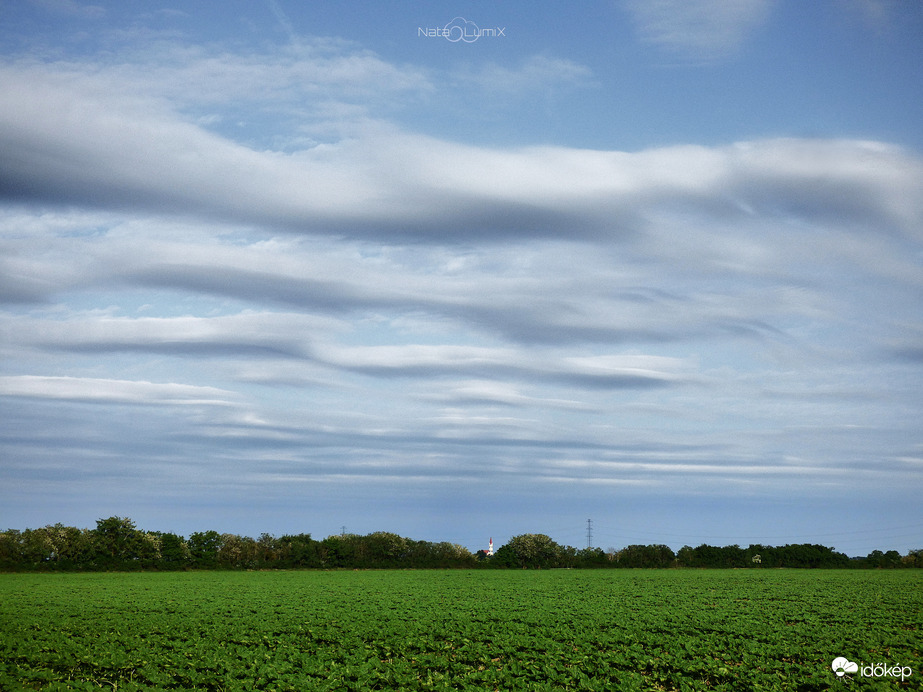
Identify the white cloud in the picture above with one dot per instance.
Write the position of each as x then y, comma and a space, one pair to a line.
537, 73
267, 334
493, 392
703, 30
605, 372
380, 304
67, 147
101, 390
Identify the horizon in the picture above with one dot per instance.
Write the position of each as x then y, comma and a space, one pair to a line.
474, 550
270, 265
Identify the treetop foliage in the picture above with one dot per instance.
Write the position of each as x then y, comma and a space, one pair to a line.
117, 544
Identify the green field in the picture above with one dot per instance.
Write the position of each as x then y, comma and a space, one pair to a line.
468, 630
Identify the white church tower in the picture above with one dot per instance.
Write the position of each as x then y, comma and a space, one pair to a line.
490, 547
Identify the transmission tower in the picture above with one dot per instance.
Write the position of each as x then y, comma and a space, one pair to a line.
589, 533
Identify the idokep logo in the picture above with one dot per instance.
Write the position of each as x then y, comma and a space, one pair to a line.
841, 666
460, 29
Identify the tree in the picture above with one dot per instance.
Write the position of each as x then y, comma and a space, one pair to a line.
203, 548
36, 548
769, 556
237, 552
299, 550
445, 554
384, 549
341, 550
149, 550
879, 560
50, 547
71, 547
530, 550
120, 545
174, 551
266, 550
892, 559
646, 556
592, 557
11, 556
810, 555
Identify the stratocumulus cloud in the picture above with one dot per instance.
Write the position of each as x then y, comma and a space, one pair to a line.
111, 391
426, 189
260, 287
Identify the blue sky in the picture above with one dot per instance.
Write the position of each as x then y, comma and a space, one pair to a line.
287, 267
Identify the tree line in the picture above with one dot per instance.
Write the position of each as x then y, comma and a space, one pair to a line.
117, 544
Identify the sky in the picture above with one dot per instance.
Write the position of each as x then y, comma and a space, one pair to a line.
461, 270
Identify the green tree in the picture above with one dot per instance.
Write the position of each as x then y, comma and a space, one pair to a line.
11, 549
237, 552
174, 551
593, 557
810, 555
72, 547
879, 560
685, 557
298, 550
445, 554
769, 556
341, 550
120, 545
149, 551
203, 548
531, 550
384, 549
37, 549
267, 553
645, 556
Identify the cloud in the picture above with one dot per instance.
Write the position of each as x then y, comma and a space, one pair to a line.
703, 30
300, 79
100, 390
293, 336
247, 334
508, 292
67, 147
603, 372
71, 8
494, 393
540, 73
306, 296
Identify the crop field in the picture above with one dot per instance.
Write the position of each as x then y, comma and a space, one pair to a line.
461, 630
